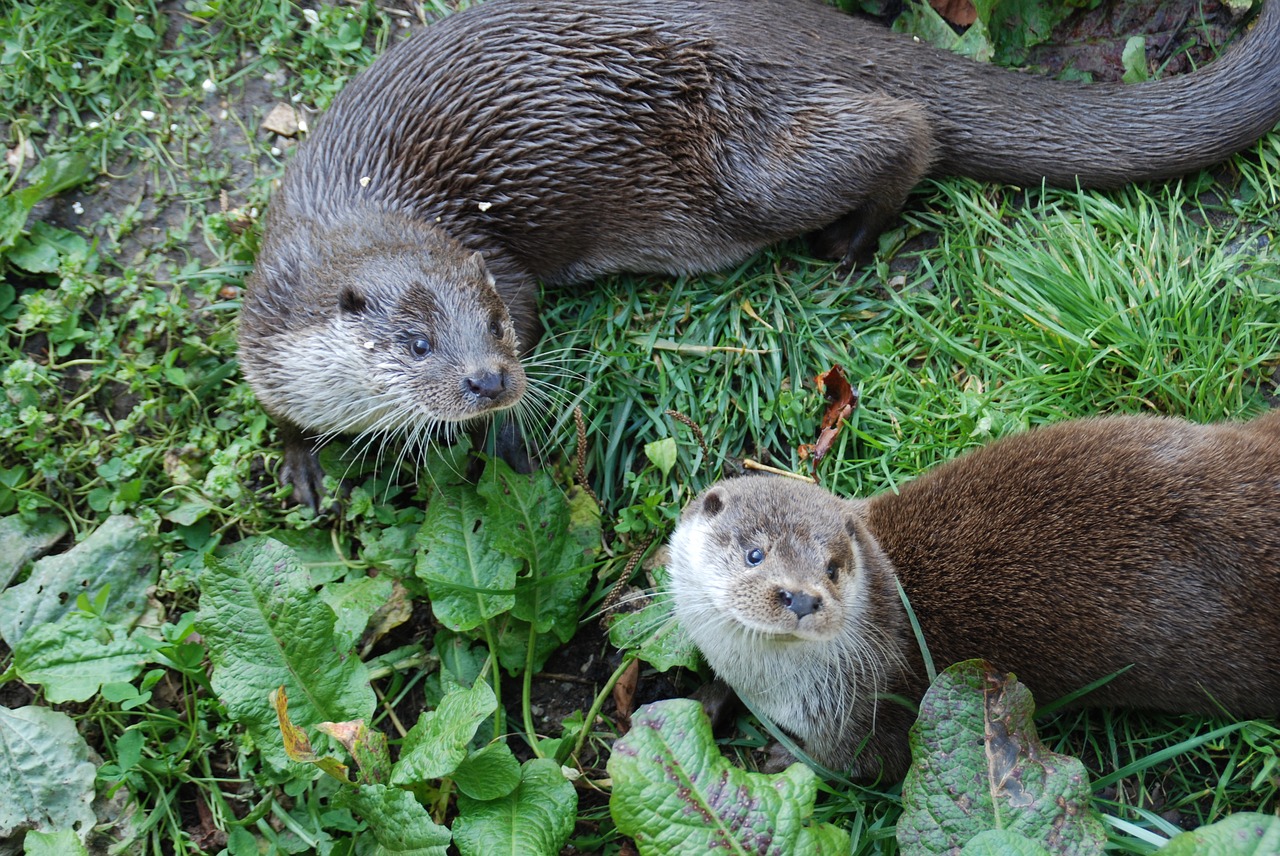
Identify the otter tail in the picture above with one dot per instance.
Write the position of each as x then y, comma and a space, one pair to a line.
1001, 126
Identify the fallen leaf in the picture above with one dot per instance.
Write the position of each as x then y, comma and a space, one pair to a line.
842, 400
959, 12
624, 692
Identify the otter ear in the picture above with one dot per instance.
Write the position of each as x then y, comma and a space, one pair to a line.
855, 516
351, 301
713, 503
477, 263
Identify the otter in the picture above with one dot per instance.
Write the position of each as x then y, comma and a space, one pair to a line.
564, 139
1142, 547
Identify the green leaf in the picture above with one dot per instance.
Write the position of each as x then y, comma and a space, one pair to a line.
71, 658
21, 541
399, 823
535, 819
46, 774
65, 842
468, 579
662, 453
1242, 834
265, 628
491, 773
674, 793
120, 554
354, 603
54, 174
978, 765
531, 518
44, 249
654, 631
1002, 842
1134, 60
437, 744
13, 216
513, 646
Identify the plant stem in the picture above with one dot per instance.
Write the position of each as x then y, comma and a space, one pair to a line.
530, 734
596, 705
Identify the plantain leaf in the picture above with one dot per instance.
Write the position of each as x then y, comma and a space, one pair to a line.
265, 628
978, 765
673, 792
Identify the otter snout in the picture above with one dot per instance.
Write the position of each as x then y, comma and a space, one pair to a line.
487, 387
801, 603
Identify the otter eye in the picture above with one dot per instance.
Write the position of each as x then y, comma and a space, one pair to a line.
419, 347
833, 570
755, 556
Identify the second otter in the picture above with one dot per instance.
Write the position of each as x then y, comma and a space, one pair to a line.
1063, 555
562, 139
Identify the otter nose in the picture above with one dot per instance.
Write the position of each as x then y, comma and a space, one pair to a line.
486, 385
799, 602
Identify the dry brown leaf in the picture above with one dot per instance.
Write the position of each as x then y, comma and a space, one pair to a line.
842, 400
959, 12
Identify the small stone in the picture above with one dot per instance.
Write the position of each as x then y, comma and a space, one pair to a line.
283, 120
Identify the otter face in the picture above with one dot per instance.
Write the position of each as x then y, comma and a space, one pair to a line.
438, 340
410, 340
766, 558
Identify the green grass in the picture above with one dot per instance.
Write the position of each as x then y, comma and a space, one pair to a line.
988, 311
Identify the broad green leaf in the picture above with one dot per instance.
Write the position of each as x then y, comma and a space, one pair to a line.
531, 518
312, 548
391, 548
62, 843
399, 823
922, 20
978, 765
354, 603
491, 773
13, 216
119, 554
43, 250
21, 541
46, 775
468, 578
54, 174
673, 792
1134, 59
1243, 834
437, 744
535, 819
655, 633
265, 628
513, 646
71, 658
662, 453
1002, 842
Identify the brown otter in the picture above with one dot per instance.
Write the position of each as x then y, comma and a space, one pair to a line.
562, 139
1063, 555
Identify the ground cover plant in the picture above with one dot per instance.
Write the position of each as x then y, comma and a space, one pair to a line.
172, 632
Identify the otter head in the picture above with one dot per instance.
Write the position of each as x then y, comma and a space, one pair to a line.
382, 333
438, 343
782, 587
768, 559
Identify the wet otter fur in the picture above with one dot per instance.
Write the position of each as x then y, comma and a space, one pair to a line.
562, 139
1064, 555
